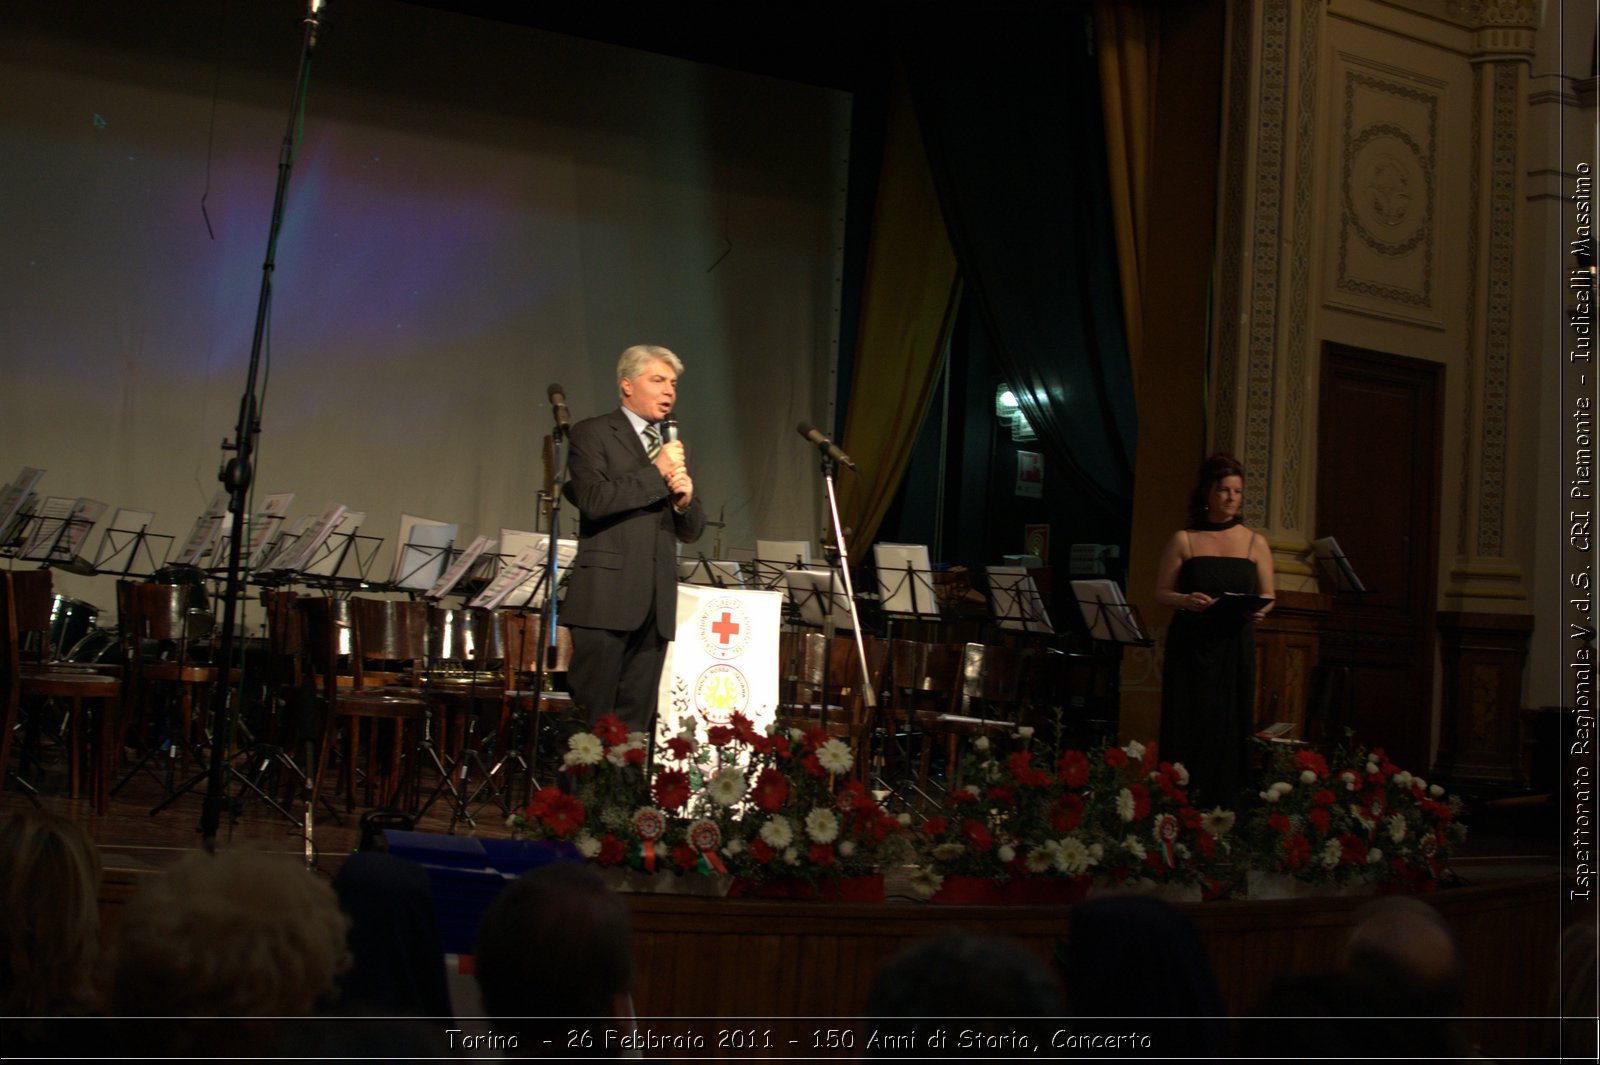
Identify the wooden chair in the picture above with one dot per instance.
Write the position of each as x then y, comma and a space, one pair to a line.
988, 701
158, 624
924, 683
389, 720
824, 676
93, 699
524, 704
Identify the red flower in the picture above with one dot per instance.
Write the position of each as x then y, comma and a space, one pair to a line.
1296, 851
1191, 817
560, 812
744, 728
852, 795
680, 747
611, 730
935, 826
762, 852
1002, 795
1151, 759
815, 738
611, 850
1021, 766
671, 788
1141, 801
1207, 843
719, 735
821, 854
1320, 818
1116, 757
685, 857
771, 790
812, 766
1073, 769
780, 746
977, 834
1066, 813
1313, 761
1352, 849
1324, 797
1279, 823
962, 795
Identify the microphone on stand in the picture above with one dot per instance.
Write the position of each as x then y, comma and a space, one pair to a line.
558, 408
829, 448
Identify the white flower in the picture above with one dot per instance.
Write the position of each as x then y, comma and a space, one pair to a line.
1072, 857
585, 748
618, 755
924, 883
1397, 827
948, 852
1182, 773
1006, 853
1268, 795
847, 848
791, 856
587, 845
1283, 787
1134, 750
822, 826
981, 743
733, 846
972, 790
1183, 852
1219, 822
835, 757
1025, 732
1372, 767
1042, 857
1420, 783
1351, 781
904, 819
1133, 846
727, 787
1374, 856
796, 735
1307, 777
1360, 815
1096, 851
1401, 779
1125, 804
1435, 790
1331, 853
777, 833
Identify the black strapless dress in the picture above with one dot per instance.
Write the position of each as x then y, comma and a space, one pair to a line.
1208, 683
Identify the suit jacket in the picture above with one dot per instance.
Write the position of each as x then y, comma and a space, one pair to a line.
627, 531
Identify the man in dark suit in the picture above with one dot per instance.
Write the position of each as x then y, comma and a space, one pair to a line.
636, 500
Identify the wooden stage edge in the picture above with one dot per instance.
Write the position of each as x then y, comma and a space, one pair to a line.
740, 958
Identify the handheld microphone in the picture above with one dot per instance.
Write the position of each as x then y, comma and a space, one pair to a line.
558, 408
828, 447
669, 430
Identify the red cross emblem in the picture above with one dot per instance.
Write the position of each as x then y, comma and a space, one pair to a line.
726, 628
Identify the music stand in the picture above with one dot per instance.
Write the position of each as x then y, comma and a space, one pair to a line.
1017, 604
458, 569
424, 551
820, 597
60, 528
1108, 615
127, 537
710, 573
905, 580
1336, 568
776, 557
17, 502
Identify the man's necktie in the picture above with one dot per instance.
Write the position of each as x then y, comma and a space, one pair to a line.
652, 442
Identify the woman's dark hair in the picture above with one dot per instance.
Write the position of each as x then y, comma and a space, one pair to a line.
1212, 470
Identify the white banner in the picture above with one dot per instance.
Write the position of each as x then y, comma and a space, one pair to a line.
724, 660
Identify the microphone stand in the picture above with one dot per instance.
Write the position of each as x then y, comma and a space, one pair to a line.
830, 467
236, 474
548, 613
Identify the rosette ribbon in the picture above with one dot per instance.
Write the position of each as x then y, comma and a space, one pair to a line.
1167, 835
706, 837
650, 825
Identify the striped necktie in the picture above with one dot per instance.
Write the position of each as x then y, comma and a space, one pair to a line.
652, 442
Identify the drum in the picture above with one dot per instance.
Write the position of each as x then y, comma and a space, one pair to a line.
166, 611
99, 646
468, 636
70, 621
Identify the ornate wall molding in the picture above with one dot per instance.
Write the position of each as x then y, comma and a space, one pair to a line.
1495, 406
1226, 353
1388, 195
1292, 446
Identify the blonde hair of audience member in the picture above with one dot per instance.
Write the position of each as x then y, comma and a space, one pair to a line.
239, 933
49, 894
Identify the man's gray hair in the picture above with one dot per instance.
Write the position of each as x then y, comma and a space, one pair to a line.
636, 358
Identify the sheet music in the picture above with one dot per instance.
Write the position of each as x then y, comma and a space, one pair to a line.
453, 575
272, 558
265, 525
63, 526
814, 589
521, 569
206, 528
328, 556
905, 579
1016, 600
14, 499
423, 543
1106, 612
315, 536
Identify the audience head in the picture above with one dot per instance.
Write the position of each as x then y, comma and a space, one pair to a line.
1403, 946
556, 942
49, 891
397, 957
965, 978
241, 933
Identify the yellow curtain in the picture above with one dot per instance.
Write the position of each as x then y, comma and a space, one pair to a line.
909, 301
1127, 44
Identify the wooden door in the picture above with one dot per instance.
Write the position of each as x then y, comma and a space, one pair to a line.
1378, 464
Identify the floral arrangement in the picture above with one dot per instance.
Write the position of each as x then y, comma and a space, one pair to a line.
1113, 814
1352, 816
740, 801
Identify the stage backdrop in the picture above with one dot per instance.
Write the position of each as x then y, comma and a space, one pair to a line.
477, 210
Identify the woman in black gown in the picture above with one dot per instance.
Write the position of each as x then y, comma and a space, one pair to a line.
1208, 679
